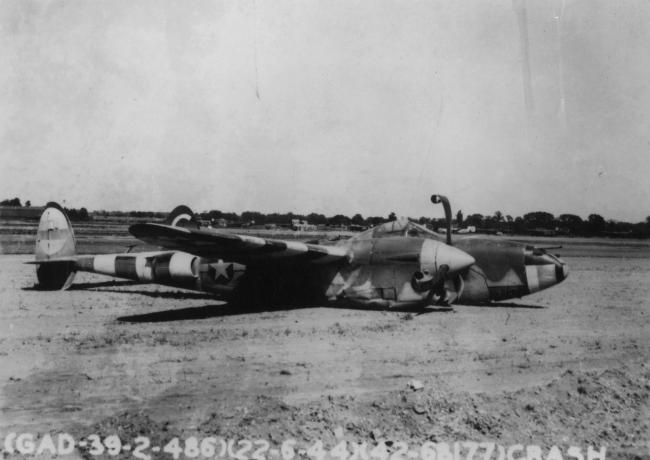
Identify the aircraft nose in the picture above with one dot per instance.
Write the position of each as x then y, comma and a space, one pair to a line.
436, 254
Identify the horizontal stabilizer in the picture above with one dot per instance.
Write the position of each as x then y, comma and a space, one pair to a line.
56, 260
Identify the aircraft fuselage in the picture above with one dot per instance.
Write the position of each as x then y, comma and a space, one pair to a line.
379, 273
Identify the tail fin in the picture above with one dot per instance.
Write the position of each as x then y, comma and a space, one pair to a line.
182, 216
55, 251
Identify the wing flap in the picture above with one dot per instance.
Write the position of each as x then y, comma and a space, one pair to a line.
238, 248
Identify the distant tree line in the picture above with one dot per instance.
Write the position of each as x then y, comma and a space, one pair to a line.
14, 202
538, 222
541, 222
285, 219
73, 213
149, 214
77, 214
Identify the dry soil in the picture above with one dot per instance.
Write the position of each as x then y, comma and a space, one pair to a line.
567, 366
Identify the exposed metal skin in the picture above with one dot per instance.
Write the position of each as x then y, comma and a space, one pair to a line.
389, 271
396, 264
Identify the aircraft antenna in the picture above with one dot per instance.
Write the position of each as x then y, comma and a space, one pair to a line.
445, 203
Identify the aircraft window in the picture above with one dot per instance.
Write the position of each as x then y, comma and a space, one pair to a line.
419, 230
394, 228
400, 227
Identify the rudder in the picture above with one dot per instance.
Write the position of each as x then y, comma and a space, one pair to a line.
56, 249
182, 216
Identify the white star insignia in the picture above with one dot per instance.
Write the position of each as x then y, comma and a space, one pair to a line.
221, 269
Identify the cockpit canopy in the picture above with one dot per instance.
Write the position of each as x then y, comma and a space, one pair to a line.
399, 227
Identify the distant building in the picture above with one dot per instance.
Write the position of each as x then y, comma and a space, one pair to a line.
468, 229
541, 232
357, 228
219, 222
302, 225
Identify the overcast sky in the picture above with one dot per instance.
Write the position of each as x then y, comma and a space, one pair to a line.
329, 106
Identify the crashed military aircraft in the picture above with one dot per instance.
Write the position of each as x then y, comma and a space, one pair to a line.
398, 264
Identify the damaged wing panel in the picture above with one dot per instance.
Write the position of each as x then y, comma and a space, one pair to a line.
241, 248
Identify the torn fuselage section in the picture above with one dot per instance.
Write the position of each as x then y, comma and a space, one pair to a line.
394, 271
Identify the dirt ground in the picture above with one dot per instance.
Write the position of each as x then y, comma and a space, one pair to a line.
567, 366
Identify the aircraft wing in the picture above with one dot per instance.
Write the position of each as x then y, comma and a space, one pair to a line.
233, 247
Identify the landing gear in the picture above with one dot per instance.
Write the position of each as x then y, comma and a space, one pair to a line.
441, 299
442, 291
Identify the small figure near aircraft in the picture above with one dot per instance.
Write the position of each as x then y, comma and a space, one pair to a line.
398, 264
